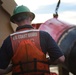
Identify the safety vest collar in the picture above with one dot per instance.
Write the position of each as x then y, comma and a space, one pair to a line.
24, 26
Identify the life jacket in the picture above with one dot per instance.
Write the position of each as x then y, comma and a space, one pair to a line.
28, 58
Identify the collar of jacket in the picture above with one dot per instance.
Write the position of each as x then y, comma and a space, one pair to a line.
24, 26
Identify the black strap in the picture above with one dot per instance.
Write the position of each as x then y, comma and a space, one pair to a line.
56, 10
57, 6
35, 61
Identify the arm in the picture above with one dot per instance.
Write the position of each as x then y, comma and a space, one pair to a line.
6, 54
56, 55
60, 59
7, 70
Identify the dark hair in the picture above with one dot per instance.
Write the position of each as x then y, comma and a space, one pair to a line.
21, 17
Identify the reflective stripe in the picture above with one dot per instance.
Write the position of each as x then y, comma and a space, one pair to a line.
23, 31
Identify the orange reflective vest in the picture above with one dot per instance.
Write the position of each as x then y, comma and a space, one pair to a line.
28, 58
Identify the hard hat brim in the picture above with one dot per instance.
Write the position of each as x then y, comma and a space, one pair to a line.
32, 15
